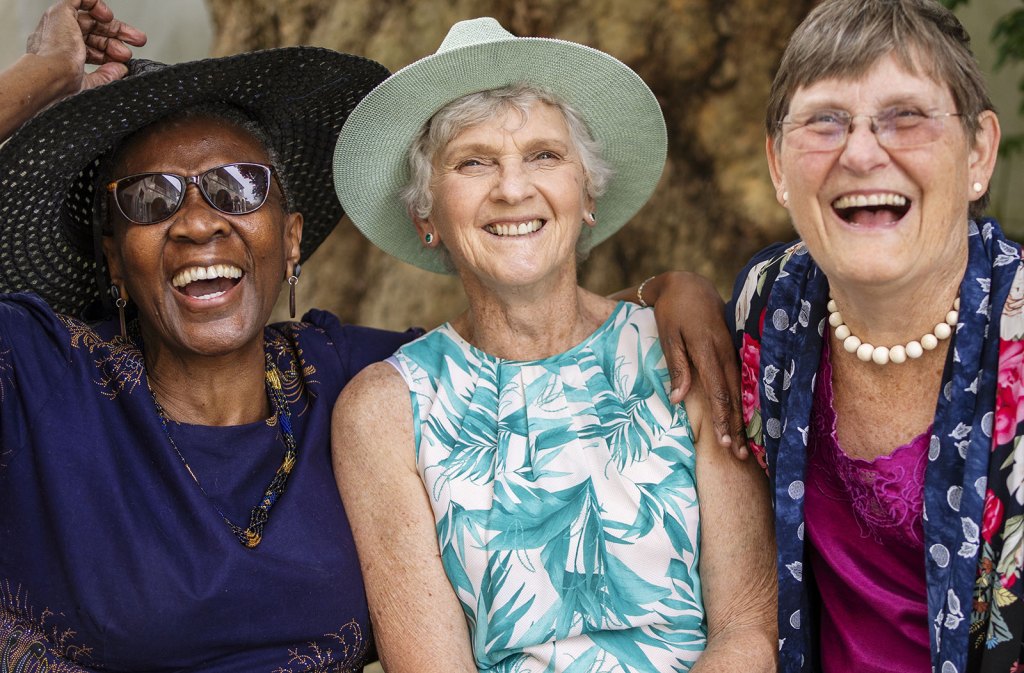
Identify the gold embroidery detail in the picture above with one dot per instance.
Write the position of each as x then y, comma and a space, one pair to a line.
119, 361
318, 658
297, 372
26, 640
122, 366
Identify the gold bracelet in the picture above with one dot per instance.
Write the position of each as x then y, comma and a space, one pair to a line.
640, 292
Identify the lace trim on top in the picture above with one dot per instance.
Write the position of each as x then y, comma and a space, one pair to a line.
886, 493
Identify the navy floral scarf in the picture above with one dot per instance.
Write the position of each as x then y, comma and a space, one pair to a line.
974, 480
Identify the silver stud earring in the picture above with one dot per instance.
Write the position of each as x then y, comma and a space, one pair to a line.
978, 187
428, 238
593, 218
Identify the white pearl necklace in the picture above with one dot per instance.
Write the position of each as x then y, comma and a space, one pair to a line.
896, 354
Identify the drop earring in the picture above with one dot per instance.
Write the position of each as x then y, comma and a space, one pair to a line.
120, 302
293, 280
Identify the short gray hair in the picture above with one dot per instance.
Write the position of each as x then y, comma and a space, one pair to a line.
845, 38
476, 108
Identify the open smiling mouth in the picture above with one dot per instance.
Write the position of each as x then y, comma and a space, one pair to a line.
521, 229
872, 209
206, 282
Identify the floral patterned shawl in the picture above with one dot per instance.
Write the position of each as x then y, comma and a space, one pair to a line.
974, 480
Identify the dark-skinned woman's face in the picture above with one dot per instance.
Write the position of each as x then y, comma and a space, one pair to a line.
204, 281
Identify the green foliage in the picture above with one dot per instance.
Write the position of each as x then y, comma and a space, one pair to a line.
1010, 145
1008, 39
1008, 36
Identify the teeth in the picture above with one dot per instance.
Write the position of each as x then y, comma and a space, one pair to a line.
192, 274
862, 201
212, 295
520, 229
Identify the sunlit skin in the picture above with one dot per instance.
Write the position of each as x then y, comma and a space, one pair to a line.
919, 246
509, 171
524, 304
894, 271
183, 333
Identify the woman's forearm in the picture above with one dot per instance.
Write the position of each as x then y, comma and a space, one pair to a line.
70, 34
29, 85
751, 649
691, 324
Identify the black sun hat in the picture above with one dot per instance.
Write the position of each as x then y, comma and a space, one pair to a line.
301, 96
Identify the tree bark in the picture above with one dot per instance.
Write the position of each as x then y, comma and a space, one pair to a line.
709, 62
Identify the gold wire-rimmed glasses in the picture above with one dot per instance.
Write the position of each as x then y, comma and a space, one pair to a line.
895, 128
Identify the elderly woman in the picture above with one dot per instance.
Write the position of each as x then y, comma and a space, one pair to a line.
882, 352
523, 495
166, 495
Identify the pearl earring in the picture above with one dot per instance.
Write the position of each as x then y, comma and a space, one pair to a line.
785, 198
978, 187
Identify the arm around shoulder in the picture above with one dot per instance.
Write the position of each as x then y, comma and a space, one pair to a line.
418, 622
737, 558
692, 330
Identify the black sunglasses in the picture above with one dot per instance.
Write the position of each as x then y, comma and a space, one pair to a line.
234, 189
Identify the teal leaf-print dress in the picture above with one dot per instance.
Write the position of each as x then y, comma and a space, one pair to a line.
564, 496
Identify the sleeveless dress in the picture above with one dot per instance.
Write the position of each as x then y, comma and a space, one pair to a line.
113, 559
564, 495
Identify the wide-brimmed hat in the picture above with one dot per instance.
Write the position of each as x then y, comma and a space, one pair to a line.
301, 96
370, 162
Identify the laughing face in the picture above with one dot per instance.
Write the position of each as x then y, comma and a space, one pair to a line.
204, 281
876, 216
509, 199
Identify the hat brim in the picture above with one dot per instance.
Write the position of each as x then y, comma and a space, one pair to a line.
301, 96
371, 164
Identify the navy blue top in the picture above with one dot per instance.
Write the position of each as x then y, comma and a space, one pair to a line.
112, 558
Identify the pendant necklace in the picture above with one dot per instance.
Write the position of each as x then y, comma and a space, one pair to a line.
251, 535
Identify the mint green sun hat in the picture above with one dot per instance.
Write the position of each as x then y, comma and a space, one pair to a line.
371, 157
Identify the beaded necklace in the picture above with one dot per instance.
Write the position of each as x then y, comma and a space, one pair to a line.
252, 535
899, 353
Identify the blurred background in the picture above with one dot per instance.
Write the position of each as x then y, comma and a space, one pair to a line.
710, 64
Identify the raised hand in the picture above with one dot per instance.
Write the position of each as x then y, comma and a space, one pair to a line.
73, 33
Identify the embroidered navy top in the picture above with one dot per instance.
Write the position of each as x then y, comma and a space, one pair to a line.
111, 556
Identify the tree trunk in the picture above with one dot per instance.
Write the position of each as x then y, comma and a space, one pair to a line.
710, 63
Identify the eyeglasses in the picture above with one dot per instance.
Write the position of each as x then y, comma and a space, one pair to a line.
234, 189
897, 128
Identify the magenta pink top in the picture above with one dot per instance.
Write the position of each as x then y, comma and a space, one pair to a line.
866, 548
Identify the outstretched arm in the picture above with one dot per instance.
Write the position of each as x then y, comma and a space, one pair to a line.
691, 322
71, 34
418, 623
